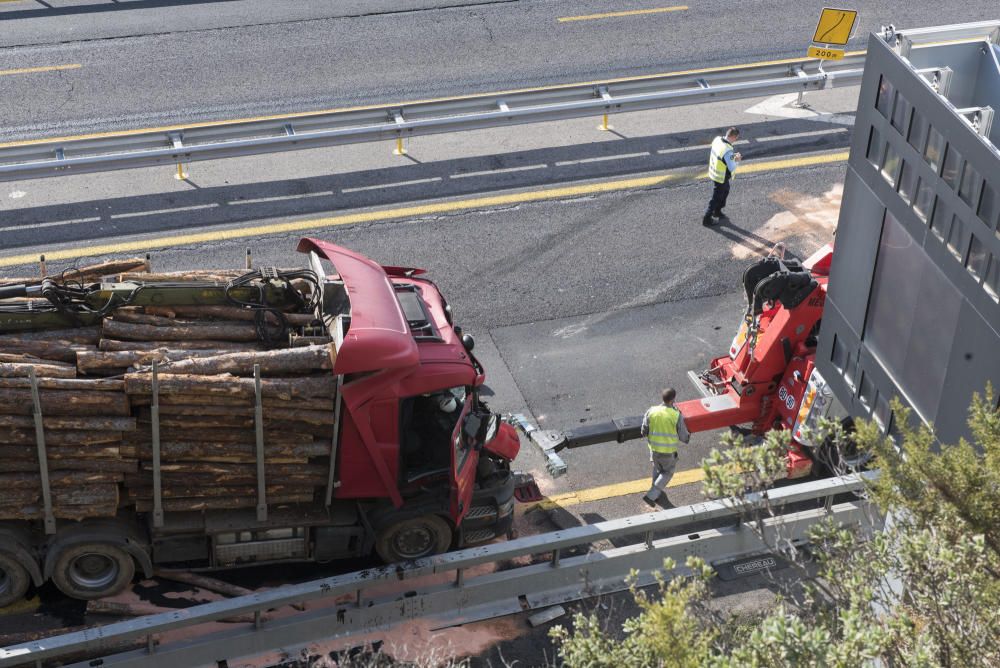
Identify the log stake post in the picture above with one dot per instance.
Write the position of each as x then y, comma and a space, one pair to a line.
43, 459
41, 265
259, 423
154, 411
249, 264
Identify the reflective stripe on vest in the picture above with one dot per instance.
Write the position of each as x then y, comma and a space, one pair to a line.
716, 160
662, 435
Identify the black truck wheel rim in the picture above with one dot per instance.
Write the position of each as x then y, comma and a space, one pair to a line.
93, 571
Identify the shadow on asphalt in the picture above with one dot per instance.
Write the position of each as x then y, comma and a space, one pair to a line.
45, 9
410, 182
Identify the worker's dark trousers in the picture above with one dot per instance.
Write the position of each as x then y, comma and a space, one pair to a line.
719, 196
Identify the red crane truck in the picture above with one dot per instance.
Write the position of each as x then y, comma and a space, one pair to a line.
417, 462
766, 381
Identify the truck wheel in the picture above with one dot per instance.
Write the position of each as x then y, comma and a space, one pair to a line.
14, 580
413, 538
93, 570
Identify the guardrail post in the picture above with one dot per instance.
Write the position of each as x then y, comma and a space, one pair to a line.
181, 175
606, 96
397, 117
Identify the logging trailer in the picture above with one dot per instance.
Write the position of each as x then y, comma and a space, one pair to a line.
253, 418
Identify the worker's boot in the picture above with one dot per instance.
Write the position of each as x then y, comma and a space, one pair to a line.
720, 215
650, 500
707, 220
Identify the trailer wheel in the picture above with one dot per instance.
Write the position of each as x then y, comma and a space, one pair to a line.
93, 570
14, 580
413, 538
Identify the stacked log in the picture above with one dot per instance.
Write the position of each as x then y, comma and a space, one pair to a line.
95, 390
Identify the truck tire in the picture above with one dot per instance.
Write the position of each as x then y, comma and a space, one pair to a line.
93, 570
412, 538
14, 580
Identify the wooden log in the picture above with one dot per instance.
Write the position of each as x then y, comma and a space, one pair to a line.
84, 274
237, 469
243, 477
58, 351
280, 388
222, 436
197, 275
272, 362
99, 361
54, 453
235, 453
59, 478
226, 313
81, 423
116, 465
208, 491
221, 331
295, 341
270, 403
26, 436
68, 384
16, 358
114, 345
204, 582
35, 512
222, 503
56, 402
271, 414
97, 495
79, 335
42, 370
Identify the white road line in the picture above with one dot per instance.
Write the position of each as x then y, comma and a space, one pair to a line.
679, 149
391, 185
34, 226
797, 135
178, 209
489, 172
280, 198
603, 158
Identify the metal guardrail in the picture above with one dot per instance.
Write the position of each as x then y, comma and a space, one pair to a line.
53, 157
462, 597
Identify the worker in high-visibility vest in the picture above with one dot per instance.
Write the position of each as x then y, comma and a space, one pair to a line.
721, 166
663, 426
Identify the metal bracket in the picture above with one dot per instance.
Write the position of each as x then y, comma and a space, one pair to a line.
502, 106
289, 130
43, 459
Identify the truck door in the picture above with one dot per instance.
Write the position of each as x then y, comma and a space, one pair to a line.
465, 457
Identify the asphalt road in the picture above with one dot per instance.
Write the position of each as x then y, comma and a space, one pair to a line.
583, 305
144, 63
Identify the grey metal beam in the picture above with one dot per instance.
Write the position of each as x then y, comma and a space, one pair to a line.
53, 157
493, 594
106, 637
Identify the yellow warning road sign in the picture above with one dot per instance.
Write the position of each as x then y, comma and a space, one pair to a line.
824, 53
835, 26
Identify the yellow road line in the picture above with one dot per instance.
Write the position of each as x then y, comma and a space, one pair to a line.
618, 489
46, 68
631, 12
308, 114
406, 212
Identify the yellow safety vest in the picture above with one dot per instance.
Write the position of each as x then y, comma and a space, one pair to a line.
662, 435
716, 160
